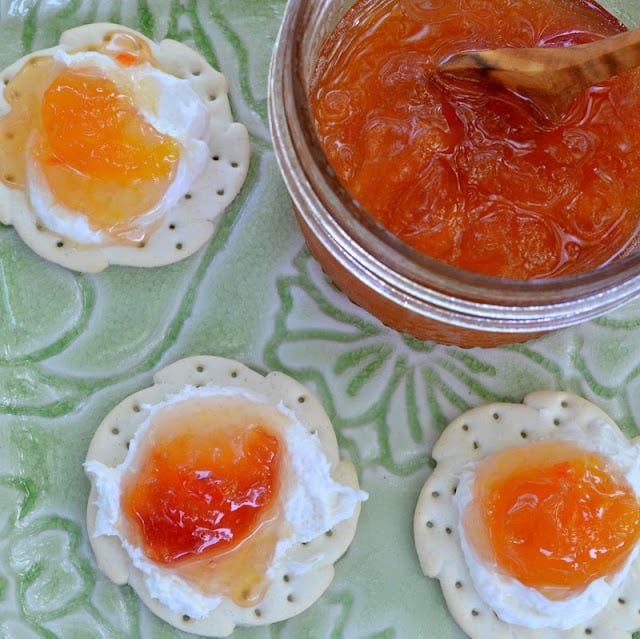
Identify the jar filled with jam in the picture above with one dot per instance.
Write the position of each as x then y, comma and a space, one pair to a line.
450, 209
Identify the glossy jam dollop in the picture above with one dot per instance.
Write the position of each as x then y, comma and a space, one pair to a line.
86, 135
196, 493
553, 516
466, 173
204, 495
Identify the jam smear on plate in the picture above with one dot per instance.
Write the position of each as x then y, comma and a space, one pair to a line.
472, 174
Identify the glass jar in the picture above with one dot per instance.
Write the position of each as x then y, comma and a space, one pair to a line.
405, 289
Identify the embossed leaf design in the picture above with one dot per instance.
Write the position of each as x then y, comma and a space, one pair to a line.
42, 306
117, 605
11, 628
388, 395
50, 577
257, 24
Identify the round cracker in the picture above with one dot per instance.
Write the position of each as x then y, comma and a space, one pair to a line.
287, 595
471, 437
191, 223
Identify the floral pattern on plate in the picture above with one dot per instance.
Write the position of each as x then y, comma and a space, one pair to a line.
72, 346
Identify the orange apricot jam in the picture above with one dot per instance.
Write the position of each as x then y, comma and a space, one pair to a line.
203, 495
83, 132
468, 173
553, 516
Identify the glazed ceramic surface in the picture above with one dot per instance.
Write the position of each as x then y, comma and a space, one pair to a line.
72, 346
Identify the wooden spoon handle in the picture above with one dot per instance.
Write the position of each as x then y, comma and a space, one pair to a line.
550, 76
607, 58
584, 64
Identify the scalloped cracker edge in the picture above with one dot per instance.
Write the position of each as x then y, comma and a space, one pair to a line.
192, 222
471, 437
287, 595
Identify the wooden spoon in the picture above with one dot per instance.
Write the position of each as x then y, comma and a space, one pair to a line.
552, 78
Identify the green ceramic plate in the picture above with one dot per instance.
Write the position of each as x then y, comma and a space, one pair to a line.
73, 346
